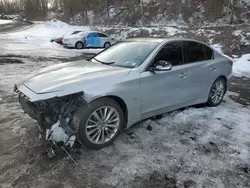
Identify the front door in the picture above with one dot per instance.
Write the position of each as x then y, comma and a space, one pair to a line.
93, 40
161, 91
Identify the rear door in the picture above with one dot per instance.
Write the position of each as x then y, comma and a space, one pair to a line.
161, 91
103, 39
203, 68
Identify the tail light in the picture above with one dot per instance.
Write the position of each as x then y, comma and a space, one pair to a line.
230, 62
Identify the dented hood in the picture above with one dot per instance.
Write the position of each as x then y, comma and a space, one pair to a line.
69, 76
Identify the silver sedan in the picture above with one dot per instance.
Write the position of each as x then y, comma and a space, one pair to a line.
94, 101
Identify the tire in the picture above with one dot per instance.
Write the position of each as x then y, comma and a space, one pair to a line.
107, 45
85, 115
79, 45
216, 95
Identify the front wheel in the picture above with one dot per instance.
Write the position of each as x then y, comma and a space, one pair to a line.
99, 123
217, 92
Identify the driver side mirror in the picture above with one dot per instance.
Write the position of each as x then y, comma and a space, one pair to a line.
161, 65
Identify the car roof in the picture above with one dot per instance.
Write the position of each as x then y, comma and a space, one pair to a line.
88, 32
160, 40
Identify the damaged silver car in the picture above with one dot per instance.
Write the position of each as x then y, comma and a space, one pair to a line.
94, 101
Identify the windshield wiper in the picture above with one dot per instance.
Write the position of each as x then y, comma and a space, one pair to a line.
105, 63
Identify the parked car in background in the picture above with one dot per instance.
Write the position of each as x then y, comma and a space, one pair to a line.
133, 80
88, 39
59, 39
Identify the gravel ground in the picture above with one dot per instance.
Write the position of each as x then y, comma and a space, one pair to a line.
194, 147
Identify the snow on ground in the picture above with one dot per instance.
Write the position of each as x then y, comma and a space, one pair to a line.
35, 41
243, 36
195, 147
44, 31
242, 66
5, 21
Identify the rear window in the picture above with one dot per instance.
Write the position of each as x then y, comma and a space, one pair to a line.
102, 35
196, 52
209, 53
76, 32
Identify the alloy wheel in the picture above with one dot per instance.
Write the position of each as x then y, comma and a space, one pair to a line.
79, 45
102, 125
106, 45
217, 92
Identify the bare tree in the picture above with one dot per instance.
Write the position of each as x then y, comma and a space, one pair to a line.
232, 7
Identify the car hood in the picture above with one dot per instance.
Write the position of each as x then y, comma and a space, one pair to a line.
70, 76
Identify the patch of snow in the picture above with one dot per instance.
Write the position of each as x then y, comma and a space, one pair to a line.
173, 31
209, 127
44, 31
56, 24
208, 33
217, 47
237, 32
5, 21
241, 66
243, 36
35, 40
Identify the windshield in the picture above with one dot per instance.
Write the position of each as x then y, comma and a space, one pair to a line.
126, 54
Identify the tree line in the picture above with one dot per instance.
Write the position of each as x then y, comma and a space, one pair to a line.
125, 10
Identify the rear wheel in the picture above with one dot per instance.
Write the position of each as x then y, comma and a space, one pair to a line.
99, 123
217, 92
79, 45
107, 45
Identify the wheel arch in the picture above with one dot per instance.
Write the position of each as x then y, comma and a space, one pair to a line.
225, 79
221, 76
120, 101
107, 42
123, 105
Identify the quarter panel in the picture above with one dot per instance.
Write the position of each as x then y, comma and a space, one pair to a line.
203, 75
202, 78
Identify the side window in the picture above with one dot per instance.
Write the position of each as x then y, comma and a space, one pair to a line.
193, 52
209, 53
102, 35
172, 53
90, 35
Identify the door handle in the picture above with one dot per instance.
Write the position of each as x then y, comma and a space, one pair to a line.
213, 69
182, 75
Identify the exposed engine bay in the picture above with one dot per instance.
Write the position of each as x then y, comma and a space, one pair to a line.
54, 116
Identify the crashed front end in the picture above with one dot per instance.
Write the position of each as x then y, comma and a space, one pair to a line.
54, 115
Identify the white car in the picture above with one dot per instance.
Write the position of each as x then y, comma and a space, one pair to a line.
59, 39
89, 39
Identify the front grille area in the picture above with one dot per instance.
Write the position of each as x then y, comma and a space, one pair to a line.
28, 107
